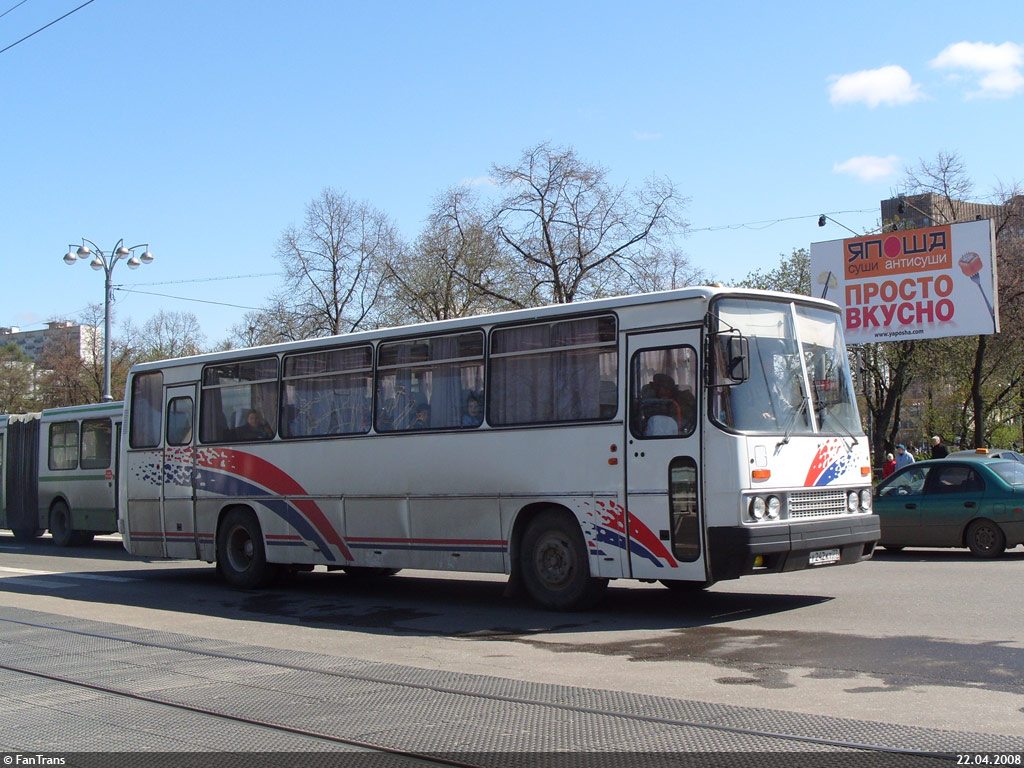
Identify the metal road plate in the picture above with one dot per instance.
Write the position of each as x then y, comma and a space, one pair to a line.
823, 557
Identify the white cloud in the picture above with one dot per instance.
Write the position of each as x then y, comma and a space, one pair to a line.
997, 67
868, 167
646, 136
479, 181
890, 85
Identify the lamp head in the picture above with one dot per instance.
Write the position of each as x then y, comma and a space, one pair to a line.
96, 263
133, 262
70, 258
147, 257
122, 251
83, 252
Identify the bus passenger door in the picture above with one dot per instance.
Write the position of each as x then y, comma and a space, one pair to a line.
664, 521
179, 492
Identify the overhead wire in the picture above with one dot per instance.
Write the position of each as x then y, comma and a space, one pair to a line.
16, 5
45, 26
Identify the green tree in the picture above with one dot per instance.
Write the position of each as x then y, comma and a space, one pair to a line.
793, 275
17, 380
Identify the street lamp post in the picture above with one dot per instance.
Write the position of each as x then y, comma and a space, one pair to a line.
106, 262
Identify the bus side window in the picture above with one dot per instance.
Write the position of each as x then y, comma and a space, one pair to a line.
147, 392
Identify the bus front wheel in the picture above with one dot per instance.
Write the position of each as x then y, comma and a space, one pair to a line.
60, 525
241, 556
555, 565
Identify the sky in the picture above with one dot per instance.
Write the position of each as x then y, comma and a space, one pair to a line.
204, 128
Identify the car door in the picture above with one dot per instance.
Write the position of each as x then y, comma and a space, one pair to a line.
899, 506
953, 494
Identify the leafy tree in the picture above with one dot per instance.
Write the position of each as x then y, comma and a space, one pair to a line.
793, 275
17, 380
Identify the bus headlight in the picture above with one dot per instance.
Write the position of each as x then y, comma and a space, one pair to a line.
758, 507
853, 501
865, 500
774, 507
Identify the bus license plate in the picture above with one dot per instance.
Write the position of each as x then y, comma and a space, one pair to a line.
823, 557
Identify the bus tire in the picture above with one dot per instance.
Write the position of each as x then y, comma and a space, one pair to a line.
82, 538
27, 534
985, 539
555, 565
241, 556
60, 525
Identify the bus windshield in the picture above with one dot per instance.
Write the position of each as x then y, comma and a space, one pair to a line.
799, 372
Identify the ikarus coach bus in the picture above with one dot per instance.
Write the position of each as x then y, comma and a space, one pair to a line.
687, 437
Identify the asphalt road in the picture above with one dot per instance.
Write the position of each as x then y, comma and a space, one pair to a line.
928, 638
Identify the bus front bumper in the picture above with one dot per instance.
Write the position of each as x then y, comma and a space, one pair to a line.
741, 550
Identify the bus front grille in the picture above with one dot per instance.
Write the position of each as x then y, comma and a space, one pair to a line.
817, 503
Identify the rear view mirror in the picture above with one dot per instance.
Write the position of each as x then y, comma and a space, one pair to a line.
737, 361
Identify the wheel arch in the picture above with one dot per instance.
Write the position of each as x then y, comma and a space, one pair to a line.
522, 521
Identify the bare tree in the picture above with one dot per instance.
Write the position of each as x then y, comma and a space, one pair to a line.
454, 269
167, 335
997, 367
568, 233
333, 265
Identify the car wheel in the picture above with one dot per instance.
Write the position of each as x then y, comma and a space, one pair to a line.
555, 565
60, 525
985, 539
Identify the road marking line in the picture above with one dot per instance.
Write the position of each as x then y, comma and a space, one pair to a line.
10, 573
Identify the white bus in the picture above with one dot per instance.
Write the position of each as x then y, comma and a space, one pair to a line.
687, 437
60, 472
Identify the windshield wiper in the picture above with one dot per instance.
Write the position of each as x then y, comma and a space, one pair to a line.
791, 424
842, 428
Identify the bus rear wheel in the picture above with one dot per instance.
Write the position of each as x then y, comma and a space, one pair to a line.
555, 566
241, 556
60, 525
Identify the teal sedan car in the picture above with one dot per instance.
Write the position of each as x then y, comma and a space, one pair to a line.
972, 502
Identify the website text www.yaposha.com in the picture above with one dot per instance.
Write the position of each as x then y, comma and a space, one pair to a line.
897, 334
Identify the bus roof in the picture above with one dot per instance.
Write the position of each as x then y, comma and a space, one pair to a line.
76, 411
705, 293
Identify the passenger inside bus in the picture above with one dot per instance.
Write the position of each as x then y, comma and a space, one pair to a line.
421, 420
667, 410
474, 414
255, 427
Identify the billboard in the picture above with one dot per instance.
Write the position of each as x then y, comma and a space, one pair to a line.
911, 284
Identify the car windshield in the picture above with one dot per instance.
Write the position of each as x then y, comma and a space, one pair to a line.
1011, 471
799, 380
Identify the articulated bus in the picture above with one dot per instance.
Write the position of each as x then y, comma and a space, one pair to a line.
59, 472
686, 437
